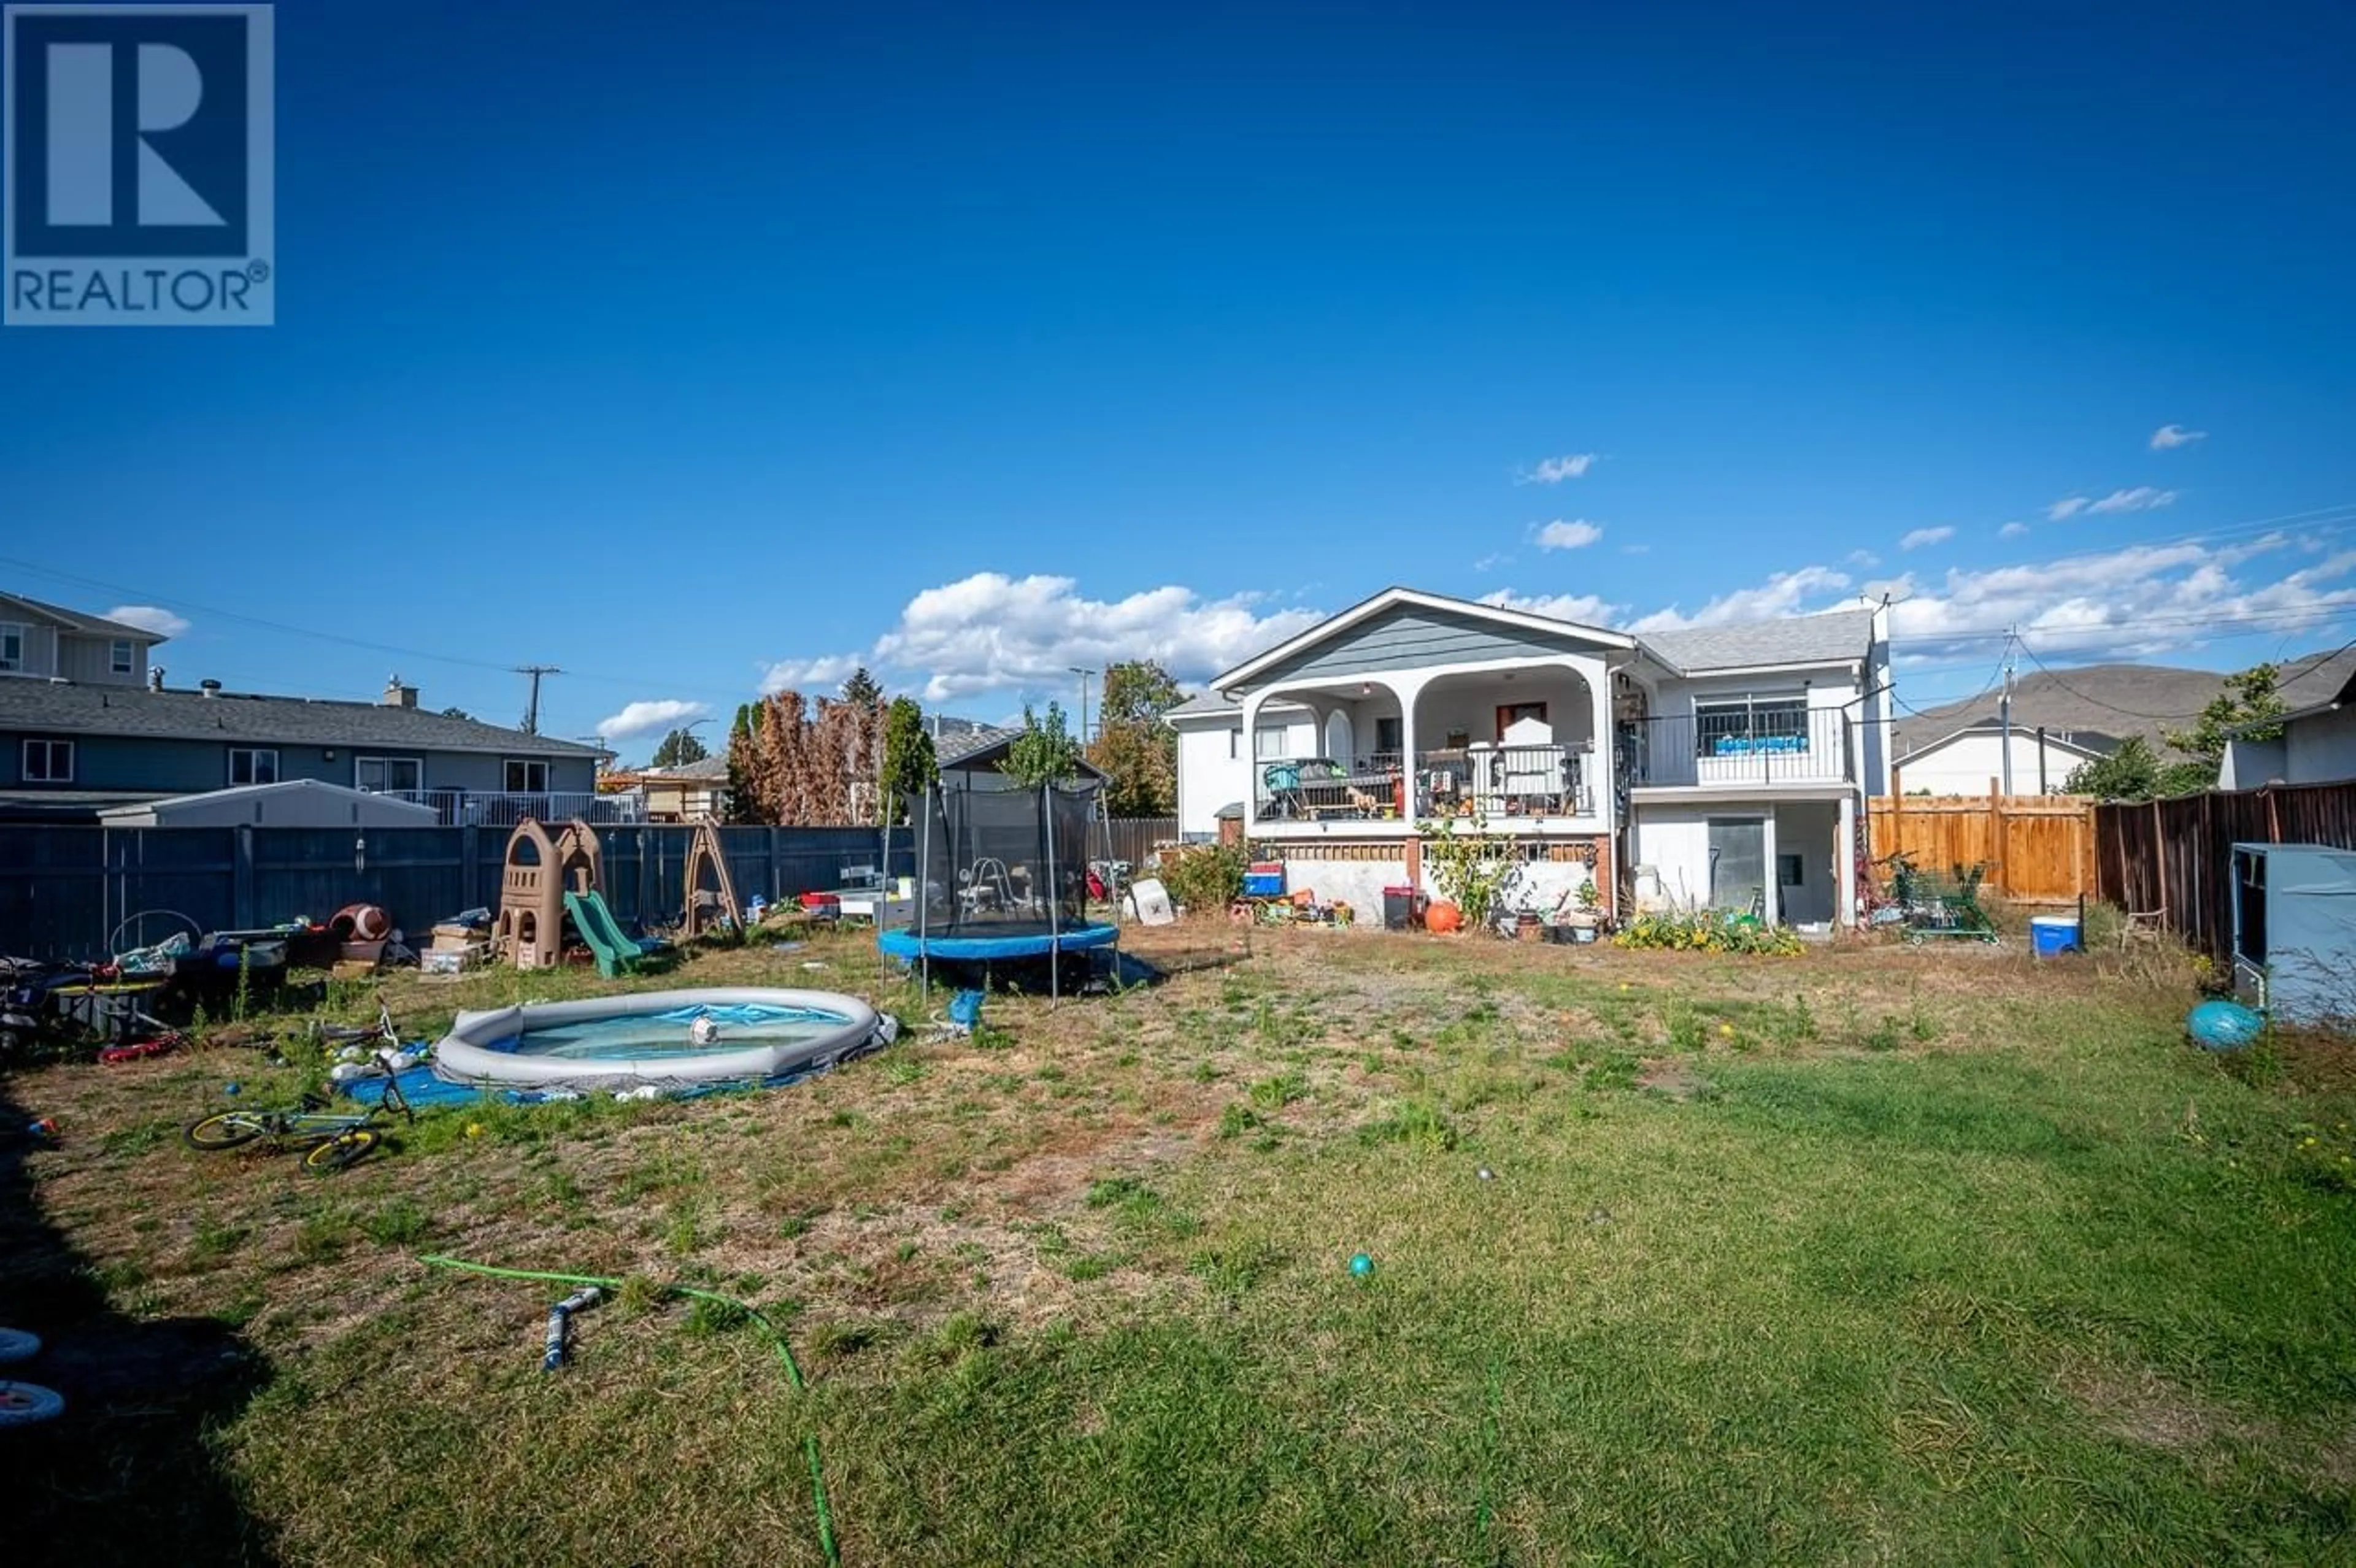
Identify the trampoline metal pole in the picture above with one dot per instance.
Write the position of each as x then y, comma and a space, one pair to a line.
924, 900
1054, 899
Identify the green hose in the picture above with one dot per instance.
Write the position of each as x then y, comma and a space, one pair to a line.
785, 1354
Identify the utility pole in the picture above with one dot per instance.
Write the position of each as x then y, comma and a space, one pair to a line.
2009, 638
532, 710
1083, 675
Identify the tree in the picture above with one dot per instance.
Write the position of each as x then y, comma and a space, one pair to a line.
2248, 700
2135, 771
1133, 745
910, 767
861, 689
1044, 752
679, 748
787, 765
457, 713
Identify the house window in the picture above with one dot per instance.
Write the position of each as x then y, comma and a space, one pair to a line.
1387, 737
380, 774
12, 648
1234, 743
123, 658
1735, 726
527, 777
1268, 743
249, 765
49, 762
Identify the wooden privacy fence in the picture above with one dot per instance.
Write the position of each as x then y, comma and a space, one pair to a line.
2037, 848
1134, 837
2174, 858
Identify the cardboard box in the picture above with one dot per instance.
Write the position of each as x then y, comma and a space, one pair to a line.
440, 963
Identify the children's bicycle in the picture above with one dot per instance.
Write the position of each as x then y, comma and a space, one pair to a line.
331, 1140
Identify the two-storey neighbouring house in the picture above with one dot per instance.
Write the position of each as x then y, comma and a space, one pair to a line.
85, 724
1722, 767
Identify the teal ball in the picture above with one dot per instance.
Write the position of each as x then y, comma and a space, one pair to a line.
1362, 1266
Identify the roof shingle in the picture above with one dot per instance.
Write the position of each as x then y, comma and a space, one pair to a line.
62, 707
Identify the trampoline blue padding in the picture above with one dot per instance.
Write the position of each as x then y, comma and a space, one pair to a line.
1028, 940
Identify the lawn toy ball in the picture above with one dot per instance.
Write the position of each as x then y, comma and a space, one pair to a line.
704, 1031
2223, 1026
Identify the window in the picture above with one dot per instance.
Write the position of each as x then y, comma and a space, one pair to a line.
1387, 738
380, 774
1267, 742
123, 658
527, 777
12, 647
248, 765
1737, 726
49, 762
1234, 742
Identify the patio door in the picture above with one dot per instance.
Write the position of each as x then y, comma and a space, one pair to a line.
1738, 864
1512, 713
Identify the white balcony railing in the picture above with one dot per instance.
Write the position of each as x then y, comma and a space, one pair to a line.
473, 808
1813, 747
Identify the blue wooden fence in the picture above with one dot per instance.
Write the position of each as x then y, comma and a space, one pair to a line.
77, 892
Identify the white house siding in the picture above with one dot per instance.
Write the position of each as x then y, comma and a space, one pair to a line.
41, 656
1215, 763
1672, 854
1543, 885
1964, 764
2321, 749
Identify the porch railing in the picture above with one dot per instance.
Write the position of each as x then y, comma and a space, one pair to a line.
1497, 782
485, 808
1309, 789
1815, 747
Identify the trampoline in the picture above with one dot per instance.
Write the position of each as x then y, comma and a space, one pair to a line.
1003, 878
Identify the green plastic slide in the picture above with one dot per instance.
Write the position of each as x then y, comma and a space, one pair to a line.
616, 954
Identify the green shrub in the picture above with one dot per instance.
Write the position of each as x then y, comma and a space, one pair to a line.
1707, 931
1204, 879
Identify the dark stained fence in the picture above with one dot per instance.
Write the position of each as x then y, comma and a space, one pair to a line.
1134, 837
2173, 859
76, 892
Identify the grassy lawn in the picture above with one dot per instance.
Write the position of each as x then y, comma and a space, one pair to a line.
1860, 1257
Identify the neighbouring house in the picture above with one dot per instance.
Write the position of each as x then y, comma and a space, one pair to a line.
2314, 745
1722, 767
684, 792
86, 723
1965, 760
977, 759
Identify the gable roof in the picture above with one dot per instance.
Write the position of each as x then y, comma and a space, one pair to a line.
74, 620
1393, 598
1836, 636
986, 750
62, 707
2123, 700
382, 806
2087, 743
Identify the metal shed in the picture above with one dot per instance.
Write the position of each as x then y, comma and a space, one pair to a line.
2295, 930
295, 803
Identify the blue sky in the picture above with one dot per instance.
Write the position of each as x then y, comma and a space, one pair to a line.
694, 351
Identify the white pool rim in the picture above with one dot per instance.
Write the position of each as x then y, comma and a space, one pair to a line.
467, 1054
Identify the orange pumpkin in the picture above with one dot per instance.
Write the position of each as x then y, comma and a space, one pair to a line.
1443, 916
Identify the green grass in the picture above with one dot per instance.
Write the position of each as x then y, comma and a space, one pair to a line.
1841, 1259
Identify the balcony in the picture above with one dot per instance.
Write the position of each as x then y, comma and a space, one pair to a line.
1740, 750
473, 808
1500, 783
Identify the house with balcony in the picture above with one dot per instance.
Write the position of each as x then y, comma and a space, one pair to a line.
87, 723
1720, 767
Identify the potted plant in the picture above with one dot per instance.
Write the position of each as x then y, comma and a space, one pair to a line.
1584, 920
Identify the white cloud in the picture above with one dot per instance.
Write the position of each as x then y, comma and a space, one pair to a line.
990, 632
149, 618
651, 717
1491, 562
1575, 534
2142, 499
1864, 558
1922, 537
2174, 435
2012, 530
1782, 594
1586, 609
811, 677
1555, 470
2069, 506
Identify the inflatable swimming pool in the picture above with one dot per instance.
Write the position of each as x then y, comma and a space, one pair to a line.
705, 1036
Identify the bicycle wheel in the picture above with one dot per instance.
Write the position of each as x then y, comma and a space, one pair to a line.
223, 1129
343, 1150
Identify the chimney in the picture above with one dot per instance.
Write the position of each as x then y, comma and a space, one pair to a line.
154, 677
209, 687
397, 695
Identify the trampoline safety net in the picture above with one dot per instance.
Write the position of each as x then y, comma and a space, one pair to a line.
1004, 862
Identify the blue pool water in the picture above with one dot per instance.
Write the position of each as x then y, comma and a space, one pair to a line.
631, 1036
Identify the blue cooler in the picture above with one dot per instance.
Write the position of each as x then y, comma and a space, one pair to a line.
2050, 936
1264, 879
